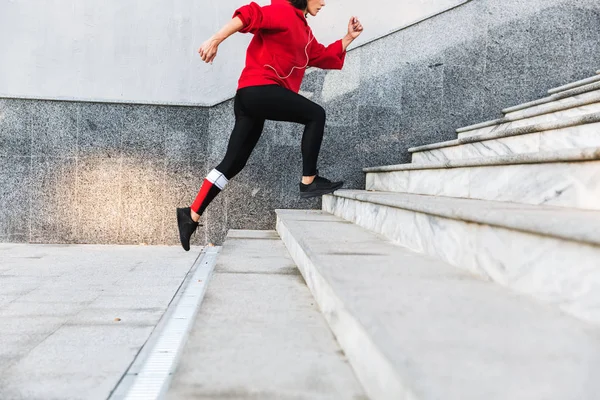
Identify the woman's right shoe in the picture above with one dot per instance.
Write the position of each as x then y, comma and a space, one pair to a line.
319, 187
187, 226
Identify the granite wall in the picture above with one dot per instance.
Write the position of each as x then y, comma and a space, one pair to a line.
108, 173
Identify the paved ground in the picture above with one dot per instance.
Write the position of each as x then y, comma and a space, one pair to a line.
59, 337
259, 333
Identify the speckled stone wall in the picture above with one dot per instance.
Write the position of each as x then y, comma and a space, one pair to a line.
95, 173
107, 173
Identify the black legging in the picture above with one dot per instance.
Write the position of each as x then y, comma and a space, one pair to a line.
255, 104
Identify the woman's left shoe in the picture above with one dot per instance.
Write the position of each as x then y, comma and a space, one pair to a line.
187, 226
319, 187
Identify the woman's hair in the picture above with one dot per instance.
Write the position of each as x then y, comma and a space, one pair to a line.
299, 4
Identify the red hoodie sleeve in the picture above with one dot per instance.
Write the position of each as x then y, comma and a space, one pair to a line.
256, 18
330, 57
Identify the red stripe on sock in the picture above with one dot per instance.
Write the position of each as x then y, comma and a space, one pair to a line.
206, 185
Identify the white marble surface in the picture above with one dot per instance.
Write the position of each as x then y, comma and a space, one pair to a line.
565, 155
414, 327
556, 105
563, 273
438, 155
378, 376
573, 137
558, 222
550, 114
582, 82
564, 184
554, 97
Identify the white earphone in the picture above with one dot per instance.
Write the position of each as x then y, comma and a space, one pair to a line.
294, 67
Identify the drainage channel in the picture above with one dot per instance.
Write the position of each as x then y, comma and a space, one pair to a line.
149, 376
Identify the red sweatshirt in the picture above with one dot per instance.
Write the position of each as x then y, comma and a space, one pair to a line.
283, 46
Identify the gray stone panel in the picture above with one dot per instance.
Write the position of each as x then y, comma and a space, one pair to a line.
99, 199
220, 125
507, 81
374, 148
15, 127
464, 95
15, 187
142, 201
54, 206
343, 111
185, 131
100, 130
423, 96
144, 131
467, 41
551, 40
284, 134
383, 89
585, 39
54, 129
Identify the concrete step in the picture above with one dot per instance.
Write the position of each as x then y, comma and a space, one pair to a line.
575, 133
573, 85
550, 253
566, 178
259, 333
414, 327
555, 111
554, 97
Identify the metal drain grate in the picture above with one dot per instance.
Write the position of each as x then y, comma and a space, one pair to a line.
154, 376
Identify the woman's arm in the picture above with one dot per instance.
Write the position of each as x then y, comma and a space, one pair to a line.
246, 19
355, 28
334, 55
208, 50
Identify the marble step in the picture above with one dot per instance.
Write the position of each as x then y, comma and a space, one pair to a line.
414, 327
580, 132
575, 84
549, 253
554, 97
557, 110
259, 333
566, 178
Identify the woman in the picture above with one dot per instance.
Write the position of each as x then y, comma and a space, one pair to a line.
282, 47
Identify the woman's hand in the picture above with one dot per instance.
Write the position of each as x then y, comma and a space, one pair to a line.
355, 28
208, 50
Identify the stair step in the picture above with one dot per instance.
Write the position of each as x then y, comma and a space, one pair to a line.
574, 84
547, 252
566, 178
556, 111
259, 333
414, 327
580, 132
554, 97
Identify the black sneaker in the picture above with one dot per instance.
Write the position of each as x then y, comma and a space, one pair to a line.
319, 187
187, 226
